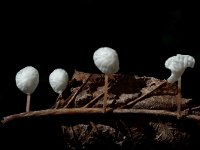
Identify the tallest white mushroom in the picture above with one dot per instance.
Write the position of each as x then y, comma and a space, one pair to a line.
106, 60
177, 64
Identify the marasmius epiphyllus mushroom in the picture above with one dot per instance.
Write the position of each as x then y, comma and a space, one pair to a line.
106, 60
27, 80
177, 64
58, 80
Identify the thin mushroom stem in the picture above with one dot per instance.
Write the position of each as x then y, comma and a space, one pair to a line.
179, 98
105, 93
28, 103
57, 101
59, 96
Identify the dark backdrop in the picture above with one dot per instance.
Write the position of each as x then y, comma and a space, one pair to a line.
49, 35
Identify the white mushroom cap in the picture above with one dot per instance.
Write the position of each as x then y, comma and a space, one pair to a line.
177, 64
27, 79
106, 60
58, 80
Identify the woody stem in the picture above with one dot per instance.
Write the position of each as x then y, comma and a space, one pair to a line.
179, 97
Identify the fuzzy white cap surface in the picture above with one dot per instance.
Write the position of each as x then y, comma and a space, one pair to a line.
177, 64
58, 80
27, 79
106, 60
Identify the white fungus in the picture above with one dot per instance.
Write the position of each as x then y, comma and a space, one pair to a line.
106, 60
177, 64
27, 79
58, 80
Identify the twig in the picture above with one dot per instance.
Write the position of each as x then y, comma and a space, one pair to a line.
57, 101
93, 100
195, 108
110, 85
74, 96
96, 111
192, 109
143, 96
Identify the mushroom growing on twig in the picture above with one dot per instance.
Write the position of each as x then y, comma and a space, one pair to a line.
106, 60
27, 80
177, 64
58, 80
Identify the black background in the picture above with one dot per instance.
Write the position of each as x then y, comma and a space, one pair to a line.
51, 35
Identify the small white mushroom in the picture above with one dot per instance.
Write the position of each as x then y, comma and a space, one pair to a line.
177, 64
106, 60
27, 80
58, 80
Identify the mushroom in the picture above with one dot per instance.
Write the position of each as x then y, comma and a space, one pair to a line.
106, 60
58, 80
27, 80
177, 64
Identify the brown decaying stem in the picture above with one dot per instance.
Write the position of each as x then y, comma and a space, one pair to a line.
143, 96
192, 109
57, 101
93, 101
98, 97
74, 96
179, 99
28, 103
105, 93
89, 111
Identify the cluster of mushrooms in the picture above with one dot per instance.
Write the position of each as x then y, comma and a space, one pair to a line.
106, 60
